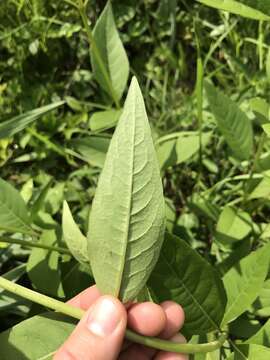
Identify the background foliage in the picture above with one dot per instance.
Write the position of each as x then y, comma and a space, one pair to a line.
213, 149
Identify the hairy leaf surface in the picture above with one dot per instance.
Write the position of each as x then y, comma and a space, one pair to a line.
127, 218
112, 53
232, 122
76, 242
182, 275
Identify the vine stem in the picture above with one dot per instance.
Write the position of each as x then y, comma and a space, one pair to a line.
77, 313
33, 244
92, 42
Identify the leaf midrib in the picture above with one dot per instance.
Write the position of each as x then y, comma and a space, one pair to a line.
189, 293
123, 257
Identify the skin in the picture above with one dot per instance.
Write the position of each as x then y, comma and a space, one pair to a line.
100, 333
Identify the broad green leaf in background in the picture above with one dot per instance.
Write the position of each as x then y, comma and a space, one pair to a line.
266, 128
12, 126
261, 109
262, 337
13, 212
262, 190
232, 122
36, 338
237, 8
182, 275
203, 206
127, 218
262, 303
250, 352
43, 267
112, 53
93, 149
102, 120
244, 281
175, 150
233, 225
76, 242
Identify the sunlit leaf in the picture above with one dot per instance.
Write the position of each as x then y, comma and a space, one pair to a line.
244, 281
237, 8
232, 122
13, 212
36, 338
76, 242
112, 53
19, 122
127, 217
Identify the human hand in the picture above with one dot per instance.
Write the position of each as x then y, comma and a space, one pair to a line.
100, 333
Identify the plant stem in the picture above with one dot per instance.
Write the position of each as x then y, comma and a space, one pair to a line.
253, 167
199, 95
130, 335
96, 53
33, 244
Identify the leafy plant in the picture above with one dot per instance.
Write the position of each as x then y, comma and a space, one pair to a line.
174, 208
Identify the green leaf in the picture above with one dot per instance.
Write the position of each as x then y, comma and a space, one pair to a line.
268, 66
261, 109
102, 120
250, 352
237, 8
244, 281
11, 303
182, 275
262, 190
112, 53
262, 337
232, 122
43, 267
13, 212
76, 242
262, 303
127, 218
233, 225
266, 128
93, 149
12, 126
174, 150
36, 338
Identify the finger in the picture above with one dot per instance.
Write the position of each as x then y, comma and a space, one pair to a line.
100, 333
134, 352
175, 319
165, 355
147, 318
86, 298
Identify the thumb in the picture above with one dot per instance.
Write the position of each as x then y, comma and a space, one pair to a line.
100, 333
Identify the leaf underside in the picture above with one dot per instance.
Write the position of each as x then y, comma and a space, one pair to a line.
127, 219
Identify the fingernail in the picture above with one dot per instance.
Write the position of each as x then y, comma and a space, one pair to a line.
104, 318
